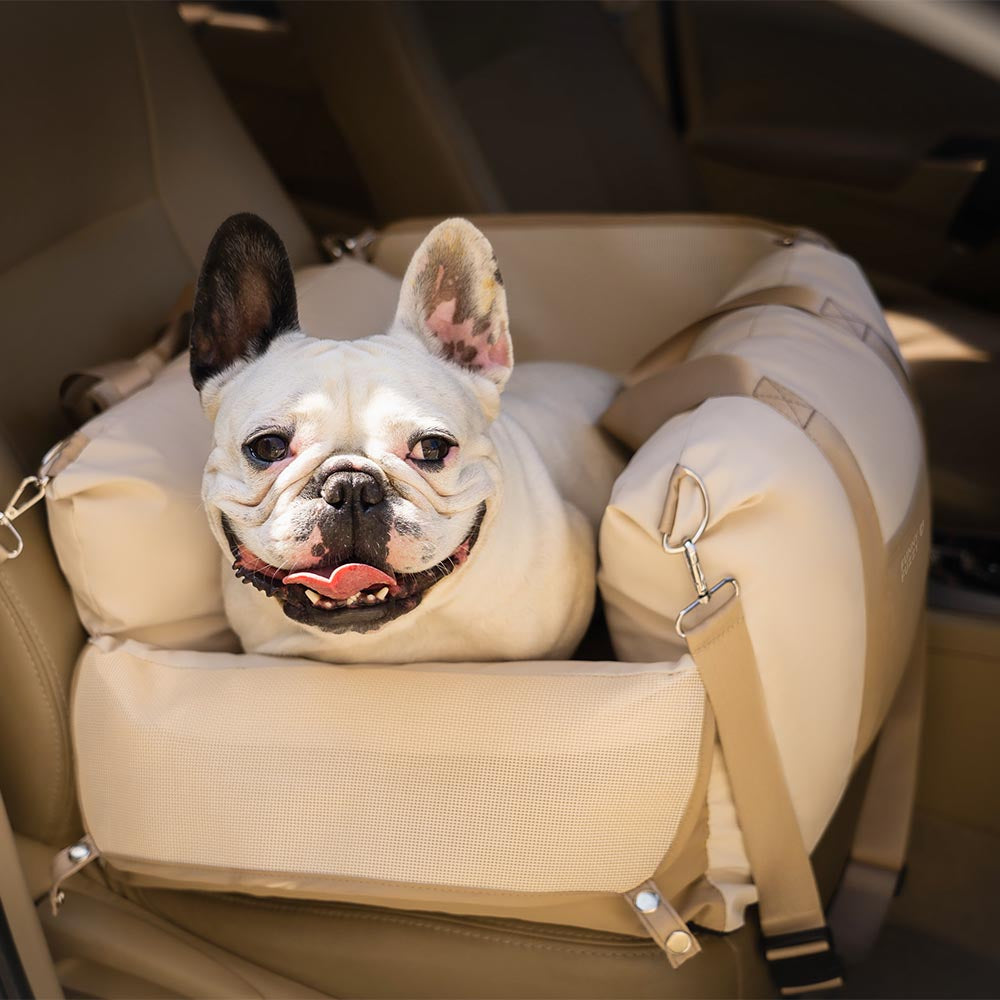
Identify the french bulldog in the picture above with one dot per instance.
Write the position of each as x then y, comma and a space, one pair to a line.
373, 501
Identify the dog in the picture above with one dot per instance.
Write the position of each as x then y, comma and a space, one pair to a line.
374, 502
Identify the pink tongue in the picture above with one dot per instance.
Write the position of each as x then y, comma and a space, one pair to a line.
343, 581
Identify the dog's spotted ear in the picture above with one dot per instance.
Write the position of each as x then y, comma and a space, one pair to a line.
453, 298
245, 297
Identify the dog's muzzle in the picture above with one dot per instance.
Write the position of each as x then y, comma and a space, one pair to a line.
346, 594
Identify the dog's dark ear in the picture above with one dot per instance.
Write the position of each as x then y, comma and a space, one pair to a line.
453, 298
245, 297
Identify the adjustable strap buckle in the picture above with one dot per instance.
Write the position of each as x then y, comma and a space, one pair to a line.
803, 961
690, 553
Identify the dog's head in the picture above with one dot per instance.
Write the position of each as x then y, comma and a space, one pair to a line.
349, 478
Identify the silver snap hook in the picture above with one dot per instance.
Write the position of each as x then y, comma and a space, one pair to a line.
686, 473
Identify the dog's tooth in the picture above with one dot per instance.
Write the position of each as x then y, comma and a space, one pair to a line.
370, 598
326, 604
352, 600
313, 597
382, 594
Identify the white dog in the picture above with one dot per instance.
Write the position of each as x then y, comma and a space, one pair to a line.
377, 501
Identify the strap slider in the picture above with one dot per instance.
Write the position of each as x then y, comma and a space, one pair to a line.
804, 961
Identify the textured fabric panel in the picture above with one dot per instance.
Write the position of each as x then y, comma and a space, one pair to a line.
548, 778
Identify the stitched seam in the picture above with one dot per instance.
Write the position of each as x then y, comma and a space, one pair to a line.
123, 862
64, 238
88, 595
641, 950
151, 134
59, 709
179, 933
722, 634
30, 645
149, 656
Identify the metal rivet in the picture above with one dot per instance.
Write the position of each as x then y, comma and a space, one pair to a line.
646, 901
679, 943
79, 852
786, 241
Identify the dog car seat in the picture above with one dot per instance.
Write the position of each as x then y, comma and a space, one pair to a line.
215, 819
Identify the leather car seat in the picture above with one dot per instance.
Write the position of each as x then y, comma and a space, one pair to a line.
126, 158
465, 94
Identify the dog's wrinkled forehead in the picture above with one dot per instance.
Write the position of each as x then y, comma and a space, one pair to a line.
349, 395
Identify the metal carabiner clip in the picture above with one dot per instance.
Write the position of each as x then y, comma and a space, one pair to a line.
690, 552
30, 490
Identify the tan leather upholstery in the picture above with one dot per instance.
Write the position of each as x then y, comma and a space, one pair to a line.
122, 168
40, 637
954, 355
478, 108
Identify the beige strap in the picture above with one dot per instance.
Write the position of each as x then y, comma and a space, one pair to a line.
800, 297
797, 944
881, 838
639, 411
91, 391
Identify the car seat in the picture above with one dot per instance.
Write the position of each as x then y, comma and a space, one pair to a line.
126, 159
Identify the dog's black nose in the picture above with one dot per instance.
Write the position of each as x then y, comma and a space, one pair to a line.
352, 490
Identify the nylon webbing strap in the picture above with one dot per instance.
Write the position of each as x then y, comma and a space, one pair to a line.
878, 850
799, 297
796, 940
91, 391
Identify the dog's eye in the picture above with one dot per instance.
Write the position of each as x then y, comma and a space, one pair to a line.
267, 449
431, 449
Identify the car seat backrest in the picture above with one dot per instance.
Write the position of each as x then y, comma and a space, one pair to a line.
120, 159
488, 107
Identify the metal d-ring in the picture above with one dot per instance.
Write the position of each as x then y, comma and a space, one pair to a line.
690, 553
687, 547
686, 473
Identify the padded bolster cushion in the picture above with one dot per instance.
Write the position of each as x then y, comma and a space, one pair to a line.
126, 516
781, 524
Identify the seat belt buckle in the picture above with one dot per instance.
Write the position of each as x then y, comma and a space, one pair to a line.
803, 962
